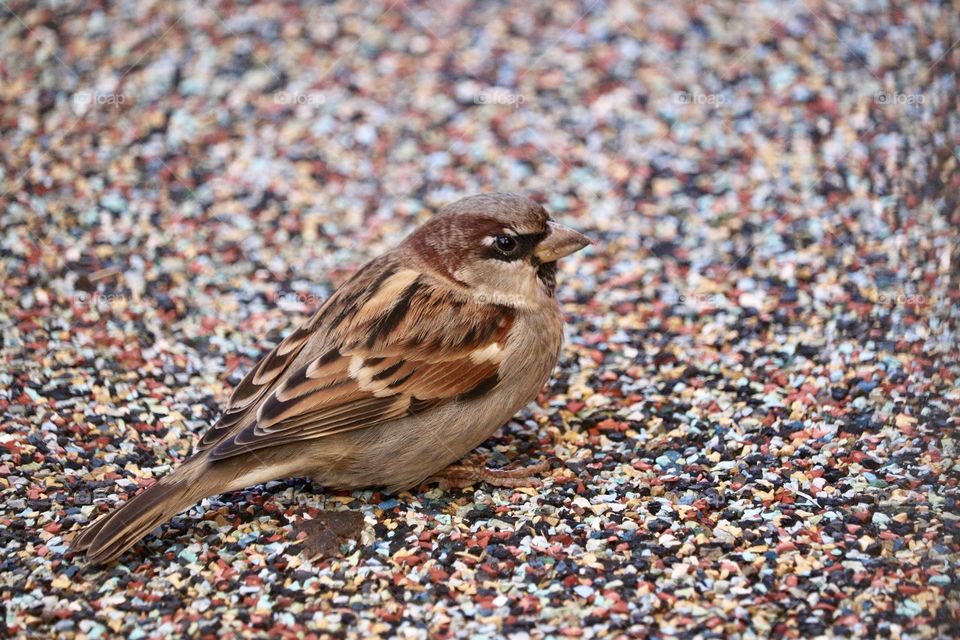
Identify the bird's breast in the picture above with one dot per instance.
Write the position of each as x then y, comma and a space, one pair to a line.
531, 353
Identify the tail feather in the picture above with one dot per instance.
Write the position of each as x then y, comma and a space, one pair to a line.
107, 538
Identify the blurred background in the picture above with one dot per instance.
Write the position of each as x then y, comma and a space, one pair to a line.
302, 137
767, 318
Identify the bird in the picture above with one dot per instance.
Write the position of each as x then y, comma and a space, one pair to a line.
408, 366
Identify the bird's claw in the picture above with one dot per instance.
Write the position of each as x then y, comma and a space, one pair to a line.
457, 476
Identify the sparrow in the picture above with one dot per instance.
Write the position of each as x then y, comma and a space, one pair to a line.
408, 366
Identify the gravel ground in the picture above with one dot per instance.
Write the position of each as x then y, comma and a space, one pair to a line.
753, 428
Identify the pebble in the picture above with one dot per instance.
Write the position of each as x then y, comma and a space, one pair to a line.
752, 425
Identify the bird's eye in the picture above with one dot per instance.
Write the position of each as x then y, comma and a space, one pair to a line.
505, 244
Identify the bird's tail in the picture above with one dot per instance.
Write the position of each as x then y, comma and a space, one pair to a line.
114, 533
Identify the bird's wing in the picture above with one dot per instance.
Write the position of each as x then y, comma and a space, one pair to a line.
256, 384
271, 369
392, 347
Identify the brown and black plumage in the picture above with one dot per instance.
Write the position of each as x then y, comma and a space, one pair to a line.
408, 366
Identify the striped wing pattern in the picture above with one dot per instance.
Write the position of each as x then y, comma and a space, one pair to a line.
390, 344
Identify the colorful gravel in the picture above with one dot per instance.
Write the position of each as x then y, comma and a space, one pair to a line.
753, 429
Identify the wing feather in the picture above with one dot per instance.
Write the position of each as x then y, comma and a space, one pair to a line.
254, 387
400, 350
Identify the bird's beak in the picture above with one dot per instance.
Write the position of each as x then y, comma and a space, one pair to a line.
560, 241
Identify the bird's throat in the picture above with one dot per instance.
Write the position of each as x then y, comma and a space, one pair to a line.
547, 274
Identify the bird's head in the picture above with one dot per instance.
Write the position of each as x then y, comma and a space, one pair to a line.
503, 247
